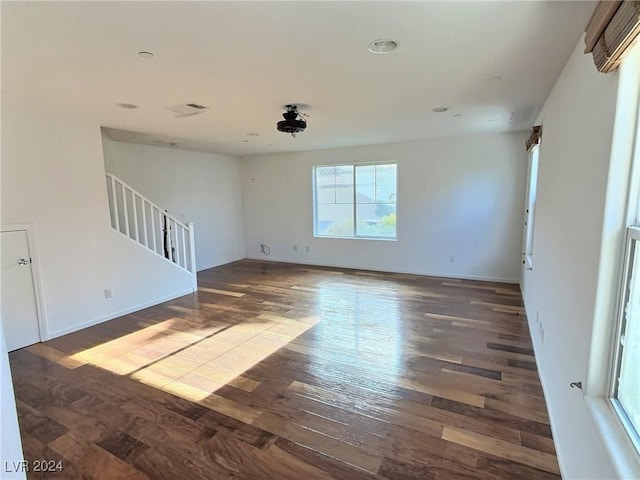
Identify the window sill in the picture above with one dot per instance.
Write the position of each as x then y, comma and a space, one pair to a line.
384, 239
623, 455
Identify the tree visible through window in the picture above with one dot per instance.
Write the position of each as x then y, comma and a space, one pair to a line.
355, 200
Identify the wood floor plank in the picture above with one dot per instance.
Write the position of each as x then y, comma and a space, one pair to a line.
331, 465
500, 448
275, 370
55, 355
351, 455
93, 461
221, 292
271, 463
498, 467
62, 469
214, 402
38, 425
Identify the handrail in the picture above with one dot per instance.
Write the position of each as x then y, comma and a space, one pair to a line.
150, 225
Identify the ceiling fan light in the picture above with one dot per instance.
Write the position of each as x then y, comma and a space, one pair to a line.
293, 121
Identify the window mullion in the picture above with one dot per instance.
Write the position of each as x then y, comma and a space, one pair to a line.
355, 196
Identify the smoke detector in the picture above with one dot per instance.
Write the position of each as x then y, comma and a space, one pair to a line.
293, 122
187, 110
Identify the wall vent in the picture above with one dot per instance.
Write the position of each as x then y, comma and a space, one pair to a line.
186, 110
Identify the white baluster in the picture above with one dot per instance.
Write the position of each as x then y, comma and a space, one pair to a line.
126, 212
153, 227
184, 248
136, 230
174, 231
143, 202
115, 203
192, 253
170, 237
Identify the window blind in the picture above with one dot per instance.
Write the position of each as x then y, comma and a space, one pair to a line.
612, 29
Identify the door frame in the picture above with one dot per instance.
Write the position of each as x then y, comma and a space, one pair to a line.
30, 229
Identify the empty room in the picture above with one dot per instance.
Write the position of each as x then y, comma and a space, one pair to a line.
347, 240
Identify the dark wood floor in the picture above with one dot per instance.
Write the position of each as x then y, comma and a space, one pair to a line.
277, 371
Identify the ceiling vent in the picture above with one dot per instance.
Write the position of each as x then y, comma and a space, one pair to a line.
168, 144
293, 122
186, 110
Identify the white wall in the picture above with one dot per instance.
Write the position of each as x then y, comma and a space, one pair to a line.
203, 188
459, 197
53, 178
10, 444
577, 121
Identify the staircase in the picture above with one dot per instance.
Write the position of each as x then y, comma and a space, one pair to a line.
144, 222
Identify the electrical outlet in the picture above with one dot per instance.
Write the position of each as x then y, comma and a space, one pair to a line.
451, 259
108, 293
307, 248
541, 333
295, 248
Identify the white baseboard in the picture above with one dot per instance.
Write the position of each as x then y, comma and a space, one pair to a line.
224, 262
111, 316
407, 272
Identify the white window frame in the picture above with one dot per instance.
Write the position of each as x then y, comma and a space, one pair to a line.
530, 206
632, 248
628, 236
355, 192
622, 210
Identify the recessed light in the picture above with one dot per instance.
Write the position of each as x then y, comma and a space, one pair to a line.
145, 55
383, 45
128, 106
245, 141
440, 109
457, 114
492, 120
252, 134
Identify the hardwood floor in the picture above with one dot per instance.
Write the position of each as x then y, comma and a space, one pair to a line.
278, 371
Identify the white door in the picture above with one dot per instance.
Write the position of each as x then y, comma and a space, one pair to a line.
19, 314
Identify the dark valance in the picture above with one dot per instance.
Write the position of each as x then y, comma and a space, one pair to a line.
534, 138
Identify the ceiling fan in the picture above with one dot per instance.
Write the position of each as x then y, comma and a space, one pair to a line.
294, 121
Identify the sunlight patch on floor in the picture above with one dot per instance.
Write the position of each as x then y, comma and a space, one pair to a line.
191, 362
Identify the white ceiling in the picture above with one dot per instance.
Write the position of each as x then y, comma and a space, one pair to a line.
493, 63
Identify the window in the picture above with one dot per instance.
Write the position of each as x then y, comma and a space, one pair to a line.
355, 200
529, 215
624, 384
625, 388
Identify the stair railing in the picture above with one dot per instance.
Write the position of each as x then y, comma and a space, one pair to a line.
144, 222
